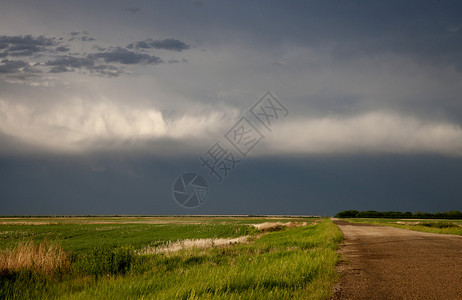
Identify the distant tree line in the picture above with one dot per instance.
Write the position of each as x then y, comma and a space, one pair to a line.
453, 214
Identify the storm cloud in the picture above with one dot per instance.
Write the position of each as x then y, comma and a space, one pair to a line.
124, 56
166, 44
25, 45
61, 58
135, 95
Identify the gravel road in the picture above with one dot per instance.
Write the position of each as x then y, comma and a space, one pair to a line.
388, 263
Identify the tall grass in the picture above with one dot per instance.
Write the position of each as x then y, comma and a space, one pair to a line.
43, 258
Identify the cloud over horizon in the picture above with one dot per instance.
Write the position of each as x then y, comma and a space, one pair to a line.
89, 80
80, 126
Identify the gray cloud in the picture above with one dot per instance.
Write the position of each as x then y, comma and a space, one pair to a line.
34, 50
63, 49
24, 50
87, 39
71, 63
166, 44
59, 69
12, 66
81, 36
124, 56
107, 70
17, 69
25, 45
27, 40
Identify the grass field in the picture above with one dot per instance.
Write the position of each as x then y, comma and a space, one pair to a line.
120, 258
424, 225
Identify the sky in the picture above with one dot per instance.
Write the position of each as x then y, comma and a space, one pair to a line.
316, 106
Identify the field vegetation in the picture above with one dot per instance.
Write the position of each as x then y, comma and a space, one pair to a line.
453, 214
126, 258
425, 225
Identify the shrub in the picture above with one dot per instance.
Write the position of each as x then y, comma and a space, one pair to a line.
101, 261
438, 224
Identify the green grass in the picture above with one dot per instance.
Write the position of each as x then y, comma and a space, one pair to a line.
80, 234
295, 262
424, 225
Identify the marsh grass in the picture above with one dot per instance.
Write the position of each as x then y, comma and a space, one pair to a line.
43, 258
276, 226
188, 244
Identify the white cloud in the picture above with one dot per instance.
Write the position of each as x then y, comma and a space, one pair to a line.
374, 132
79, 125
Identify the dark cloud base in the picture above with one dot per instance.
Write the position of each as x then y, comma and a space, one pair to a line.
310, 185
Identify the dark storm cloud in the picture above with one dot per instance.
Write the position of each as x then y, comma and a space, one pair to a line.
59, 69
12, 66
27, 40
81, 36
87, 39
25, 45
30, 48
360, 76
18, 68
71, 63
124, 56
63, 49
319, 185
350, 29
166, 44
23, 51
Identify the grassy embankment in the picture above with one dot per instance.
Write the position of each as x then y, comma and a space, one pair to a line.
424, 225
81, 260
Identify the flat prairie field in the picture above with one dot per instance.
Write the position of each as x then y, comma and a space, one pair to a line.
444, 226
168, 257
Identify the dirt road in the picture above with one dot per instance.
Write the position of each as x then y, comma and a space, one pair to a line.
389, 263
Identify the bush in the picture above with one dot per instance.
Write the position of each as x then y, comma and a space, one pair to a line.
347, 214
438, 225
105, 261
